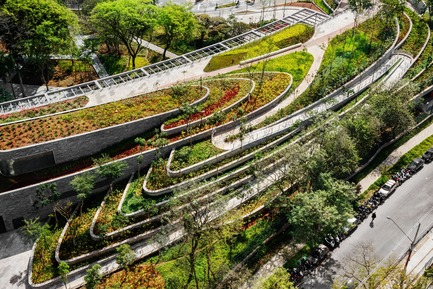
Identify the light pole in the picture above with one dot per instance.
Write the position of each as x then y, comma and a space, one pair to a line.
412, 242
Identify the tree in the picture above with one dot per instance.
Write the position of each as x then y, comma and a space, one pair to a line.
200, 215
111, 170
6, 73
280, 279
128, 21
63, 269
390, 9
125, 256
339, 151
32, 229
83, 184
93, 276
47, 194
358, 7
364, 129
32, 30
177, 23
188, 110
393, 110
367, 271
313, 214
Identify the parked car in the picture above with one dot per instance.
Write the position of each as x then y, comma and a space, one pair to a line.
415, 166
388, 188
428, 155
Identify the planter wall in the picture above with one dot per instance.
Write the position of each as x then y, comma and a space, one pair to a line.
38, 156
196, 123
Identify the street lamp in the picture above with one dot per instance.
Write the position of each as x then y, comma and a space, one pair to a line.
412, 242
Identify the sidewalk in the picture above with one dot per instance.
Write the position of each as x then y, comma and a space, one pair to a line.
395, 156
421, 255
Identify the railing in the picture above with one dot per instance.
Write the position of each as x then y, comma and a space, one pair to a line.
305, 15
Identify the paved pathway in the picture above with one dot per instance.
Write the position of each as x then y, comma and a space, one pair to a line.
14, 257
395, 156
157, 48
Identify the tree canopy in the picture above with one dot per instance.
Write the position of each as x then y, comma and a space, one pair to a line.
177, 22
313, 214
125, 22
32, 30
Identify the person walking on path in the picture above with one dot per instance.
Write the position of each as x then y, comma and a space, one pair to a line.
373, 216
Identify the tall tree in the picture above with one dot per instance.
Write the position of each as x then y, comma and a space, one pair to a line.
177, 23
358, 7
83, 184
128, 21
313, 214
32, 30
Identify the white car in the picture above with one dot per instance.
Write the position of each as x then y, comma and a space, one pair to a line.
388, 188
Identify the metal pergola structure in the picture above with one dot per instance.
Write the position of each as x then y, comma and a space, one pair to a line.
305, 16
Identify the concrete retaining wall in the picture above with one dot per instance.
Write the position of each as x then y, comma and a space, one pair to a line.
38, 156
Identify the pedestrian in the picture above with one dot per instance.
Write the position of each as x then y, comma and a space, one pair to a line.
373, 216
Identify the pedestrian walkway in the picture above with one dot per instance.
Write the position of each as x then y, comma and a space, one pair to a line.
395, 156
422, 256
96, 63
156, 48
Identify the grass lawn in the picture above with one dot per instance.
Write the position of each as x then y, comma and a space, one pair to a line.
286, 37
189, 155
322, 6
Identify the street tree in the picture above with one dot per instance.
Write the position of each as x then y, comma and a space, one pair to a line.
313, 214
177, 23
366, 270
364, 129
125, 256
33, 30
109, 169
128, 21
93, 276
64, 270
83, 184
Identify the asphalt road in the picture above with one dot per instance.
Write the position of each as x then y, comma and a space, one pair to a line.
411, 203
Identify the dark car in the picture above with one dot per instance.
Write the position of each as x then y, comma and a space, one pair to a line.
415, 165
428, 155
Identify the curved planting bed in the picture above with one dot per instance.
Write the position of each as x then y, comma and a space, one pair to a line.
284, 38
89, 119
73, 135
39, 111
214, 107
